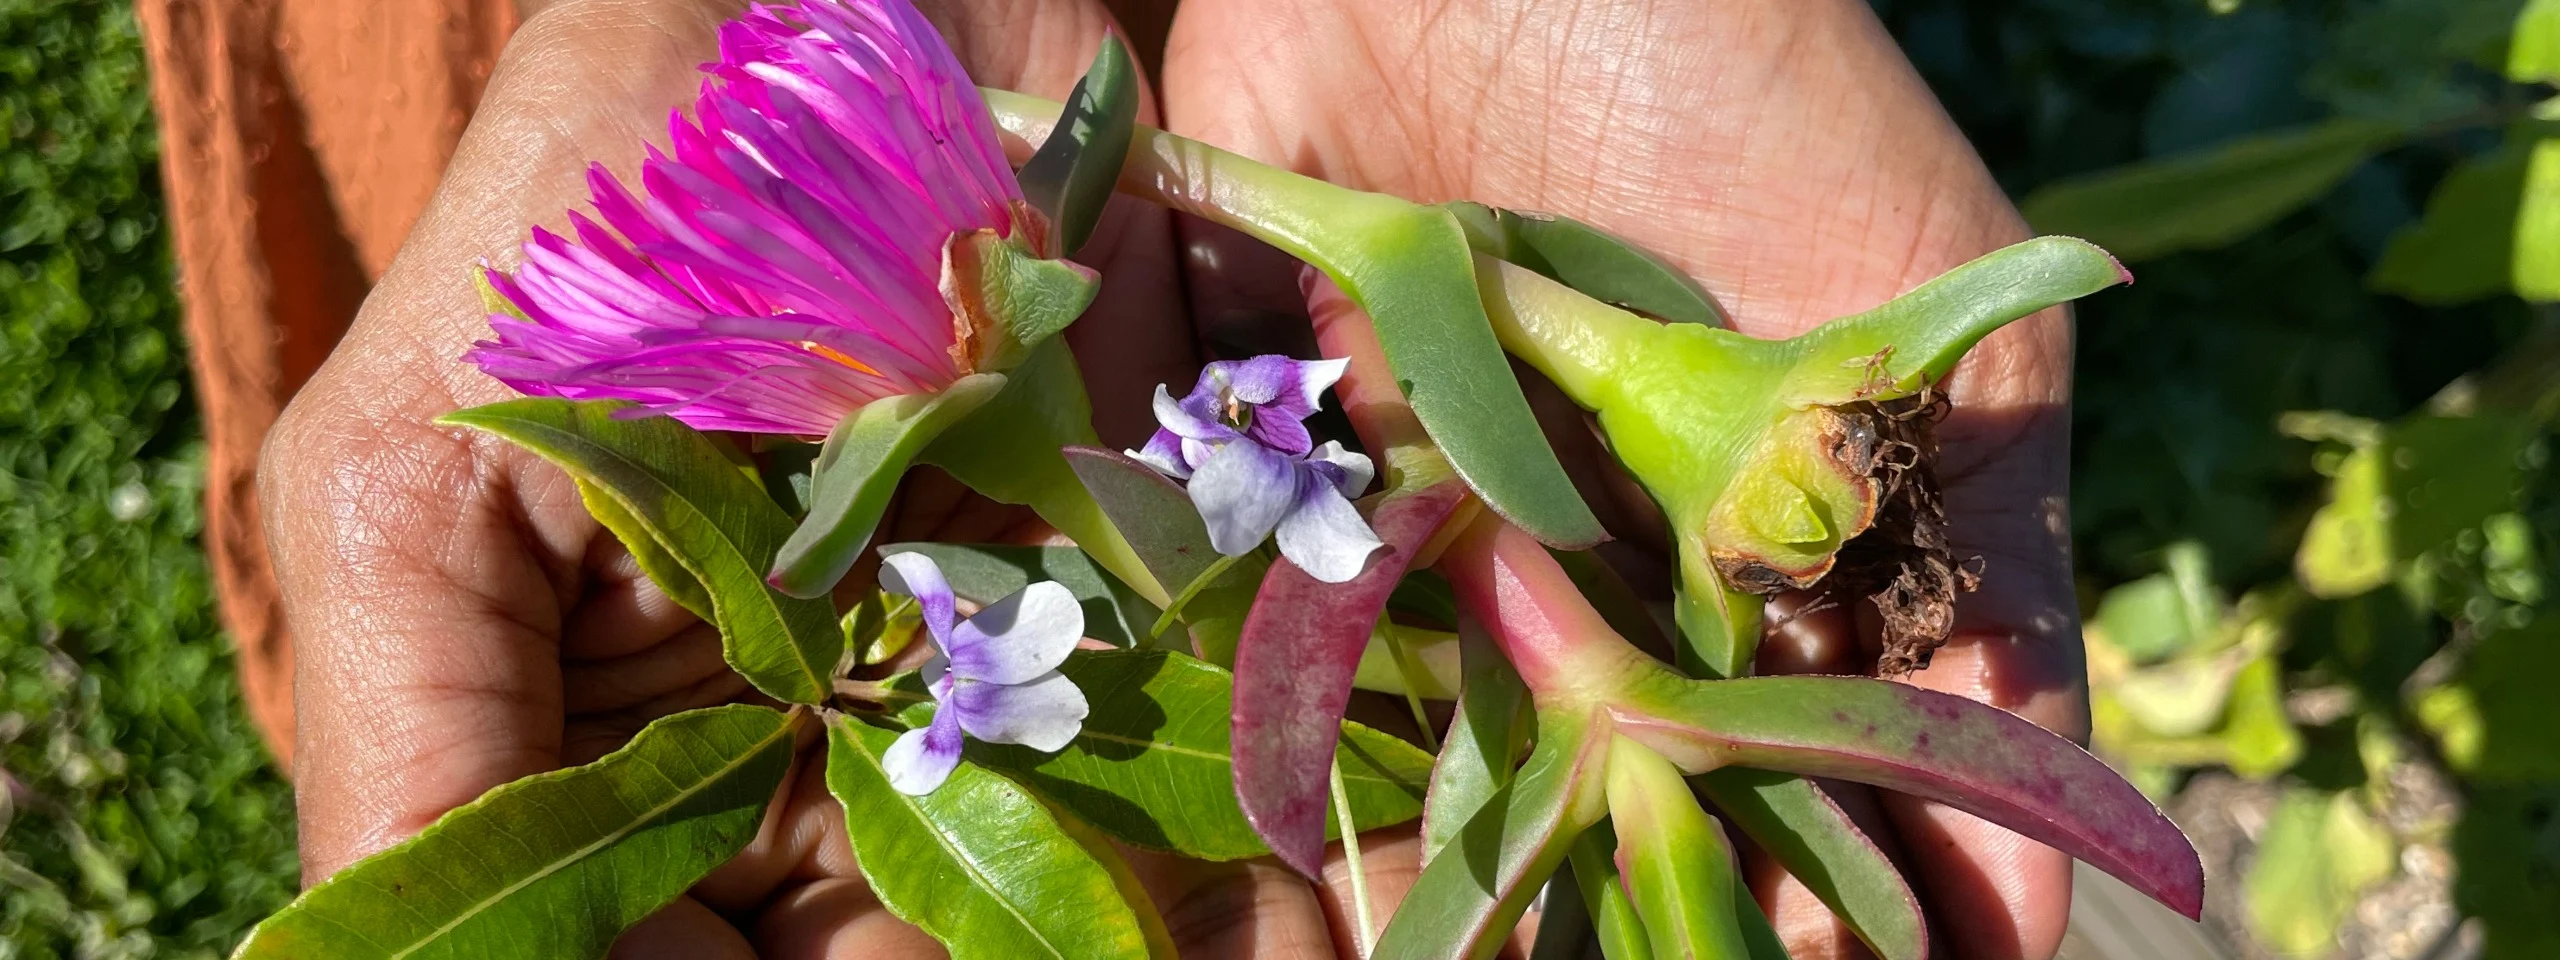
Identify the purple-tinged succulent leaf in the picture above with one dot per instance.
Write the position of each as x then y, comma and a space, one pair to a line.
1968, 755
1797, 823
1468, 898
1294, 666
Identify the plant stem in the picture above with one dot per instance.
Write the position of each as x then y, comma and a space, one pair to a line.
1407, 670
1351, 861
1173, 611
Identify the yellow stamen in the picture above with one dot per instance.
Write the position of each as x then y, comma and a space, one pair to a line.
838, 356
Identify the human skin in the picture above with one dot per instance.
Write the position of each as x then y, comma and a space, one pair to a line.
461, 622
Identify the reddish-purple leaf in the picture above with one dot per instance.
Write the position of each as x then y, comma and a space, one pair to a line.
1968, 755
1294, 666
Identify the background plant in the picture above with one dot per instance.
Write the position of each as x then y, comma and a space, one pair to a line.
2313, 520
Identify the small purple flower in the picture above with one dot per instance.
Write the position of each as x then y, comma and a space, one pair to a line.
995, 674
1240, 441
786, 265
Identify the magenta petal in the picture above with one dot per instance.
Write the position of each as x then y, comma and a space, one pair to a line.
835, 148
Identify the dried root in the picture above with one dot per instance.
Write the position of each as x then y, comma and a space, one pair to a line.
1903, 563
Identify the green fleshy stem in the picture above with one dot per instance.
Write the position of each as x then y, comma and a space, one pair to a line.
1722, 428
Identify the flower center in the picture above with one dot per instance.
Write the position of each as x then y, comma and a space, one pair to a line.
1238, 414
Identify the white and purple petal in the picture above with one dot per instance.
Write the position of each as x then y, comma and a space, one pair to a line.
1349, 472
1020, 637
916, 575
1242, 490
923, 758
1323, 533
1044, 713
1164, 452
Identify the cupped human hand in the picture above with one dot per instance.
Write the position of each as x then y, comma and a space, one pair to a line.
461, 622
1783, 152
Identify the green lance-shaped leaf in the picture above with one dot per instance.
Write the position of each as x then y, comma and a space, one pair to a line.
1976, 758
704, 513
2536, 269
554, 865
1070, 177
1153, 766
983, 573
2463, 249
1486, 735
2210, 197
1679, 868
1470, 896
1591, 260
857, 471
1604, 896
1008, 451
980, 864
1797, 824
1409, 267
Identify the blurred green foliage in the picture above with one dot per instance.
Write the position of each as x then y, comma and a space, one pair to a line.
140, 818
2311, 505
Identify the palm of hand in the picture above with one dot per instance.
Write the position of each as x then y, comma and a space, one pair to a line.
464, 623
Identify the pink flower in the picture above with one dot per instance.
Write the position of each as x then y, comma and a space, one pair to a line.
785, 266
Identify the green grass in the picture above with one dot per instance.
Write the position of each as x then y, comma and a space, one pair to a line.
143, 818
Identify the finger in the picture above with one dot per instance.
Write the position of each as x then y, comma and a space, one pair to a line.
621, 611
685, 930
636, 679
1804, 923
1254, 909
838, 919
427, 576
800, 840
